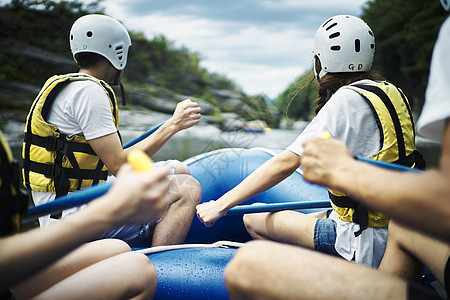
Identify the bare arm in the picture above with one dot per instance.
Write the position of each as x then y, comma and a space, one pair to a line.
265, 177
133, 198
110, 151
421, 201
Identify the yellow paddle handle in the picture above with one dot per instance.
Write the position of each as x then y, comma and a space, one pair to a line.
185, 101
325, 135
140, 161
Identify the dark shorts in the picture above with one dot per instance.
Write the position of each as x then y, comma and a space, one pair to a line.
418, 292
447, 277
325, 235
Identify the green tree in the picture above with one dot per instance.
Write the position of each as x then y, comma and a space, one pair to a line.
297, 101
405, 34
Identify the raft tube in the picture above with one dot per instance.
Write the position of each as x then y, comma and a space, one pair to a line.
191, 273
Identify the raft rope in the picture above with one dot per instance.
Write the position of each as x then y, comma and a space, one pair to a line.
219, 244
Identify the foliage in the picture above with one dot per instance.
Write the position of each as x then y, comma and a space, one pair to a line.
37, 29
297, 101
35, 32
405, 34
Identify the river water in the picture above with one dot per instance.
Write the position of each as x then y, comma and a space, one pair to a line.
135, 120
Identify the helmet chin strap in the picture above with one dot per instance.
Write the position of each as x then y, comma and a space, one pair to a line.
116, 81
321, 73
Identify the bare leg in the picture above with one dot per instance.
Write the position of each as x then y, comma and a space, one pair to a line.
407, 251
185, 194
285, 226
78, 259
267, 270
125, 276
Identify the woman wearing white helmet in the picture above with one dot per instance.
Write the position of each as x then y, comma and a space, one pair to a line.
418, 203
371, 117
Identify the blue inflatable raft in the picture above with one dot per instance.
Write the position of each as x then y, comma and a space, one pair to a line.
196, 271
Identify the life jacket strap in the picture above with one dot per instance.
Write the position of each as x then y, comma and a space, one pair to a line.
54, 170
360, 215
58, 144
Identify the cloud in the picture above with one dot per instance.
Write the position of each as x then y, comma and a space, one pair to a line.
262, 45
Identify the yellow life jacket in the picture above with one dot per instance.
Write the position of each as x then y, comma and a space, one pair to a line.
13, 201
397, 145
54, 162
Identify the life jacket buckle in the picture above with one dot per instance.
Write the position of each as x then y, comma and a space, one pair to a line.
55, 144
52, 170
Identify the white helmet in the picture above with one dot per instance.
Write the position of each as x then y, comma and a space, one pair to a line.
344, 44
102, 35
446, 4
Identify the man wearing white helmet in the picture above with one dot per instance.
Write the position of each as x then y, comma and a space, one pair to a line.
418, 203
72, 139
371, 117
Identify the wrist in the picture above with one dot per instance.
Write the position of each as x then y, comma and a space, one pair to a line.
224, 203
345, 176
171, 125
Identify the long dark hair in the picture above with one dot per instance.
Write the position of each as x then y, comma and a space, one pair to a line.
331, 82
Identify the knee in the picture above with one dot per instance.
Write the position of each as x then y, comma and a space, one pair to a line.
182, 168
254, 221
249, 220
146, 279
190, 189
114, 246
239, 273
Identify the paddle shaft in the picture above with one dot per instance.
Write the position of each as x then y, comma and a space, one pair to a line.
68, 201
272, 207
142, 136
86, 195
388, 165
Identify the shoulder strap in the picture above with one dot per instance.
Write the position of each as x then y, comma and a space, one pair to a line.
394, 116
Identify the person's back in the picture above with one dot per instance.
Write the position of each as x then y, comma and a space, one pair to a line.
370, 116
72, 139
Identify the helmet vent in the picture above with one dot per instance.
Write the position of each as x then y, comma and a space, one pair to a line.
335, 35
357, 45
119, 52
89, 34
335, 48
331, 26
371, 33
325, 24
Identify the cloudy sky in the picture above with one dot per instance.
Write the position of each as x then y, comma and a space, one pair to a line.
262, 45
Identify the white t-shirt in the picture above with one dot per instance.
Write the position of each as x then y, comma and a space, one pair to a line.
82, 108
348, 118
436, 109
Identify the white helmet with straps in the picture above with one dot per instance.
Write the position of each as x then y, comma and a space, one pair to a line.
102, 35
446, 4
344, 43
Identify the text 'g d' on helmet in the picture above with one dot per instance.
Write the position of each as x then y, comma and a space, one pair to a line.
344, 43
102, 35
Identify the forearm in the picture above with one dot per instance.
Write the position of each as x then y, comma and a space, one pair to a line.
265, 177
24, 254
421, 201
153, 143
